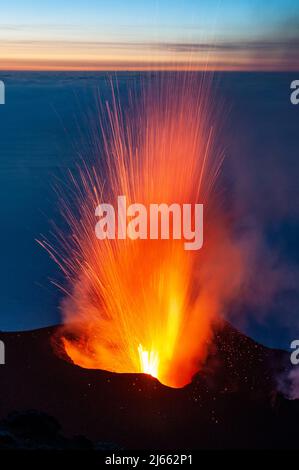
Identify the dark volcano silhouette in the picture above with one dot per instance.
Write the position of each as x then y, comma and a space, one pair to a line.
232, 403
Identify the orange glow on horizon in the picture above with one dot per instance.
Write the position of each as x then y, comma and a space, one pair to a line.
114, 67
45, 57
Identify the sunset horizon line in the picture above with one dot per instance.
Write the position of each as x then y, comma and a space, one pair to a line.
38, 67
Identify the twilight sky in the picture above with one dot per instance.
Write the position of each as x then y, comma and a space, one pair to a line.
140, 34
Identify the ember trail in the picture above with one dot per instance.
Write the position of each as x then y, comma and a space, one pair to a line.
147, 305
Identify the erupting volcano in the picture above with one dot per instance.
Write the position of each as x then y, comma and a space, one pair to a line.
148, 305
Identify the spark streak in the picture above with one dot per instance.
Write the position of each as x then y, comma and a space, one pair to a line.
149, 305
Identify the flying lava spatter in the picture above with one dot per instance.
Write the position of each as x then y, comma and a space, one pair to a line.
149, 305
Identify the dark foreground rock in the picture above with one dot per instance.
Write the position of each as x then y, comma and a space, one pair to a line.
232, 403
34, 430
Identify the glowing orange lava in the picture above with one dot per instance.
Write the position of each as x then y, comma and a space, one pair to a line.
149, 305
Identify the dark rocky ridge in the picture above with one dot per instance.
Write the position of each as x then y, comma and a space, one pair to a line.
232, 403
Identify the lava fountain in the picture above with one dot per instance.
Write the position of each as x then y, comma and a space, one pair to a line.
144, 305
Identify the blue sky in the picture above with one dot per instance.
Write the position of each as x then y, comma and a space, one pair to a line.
29, 30
244, 17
